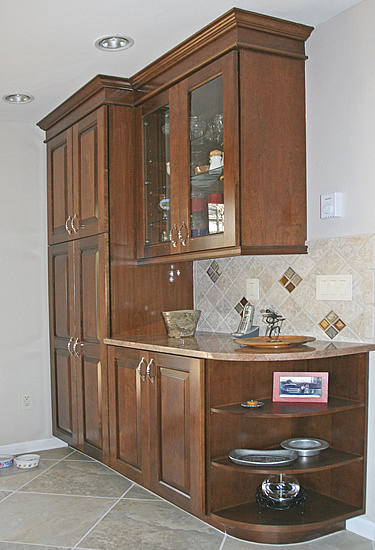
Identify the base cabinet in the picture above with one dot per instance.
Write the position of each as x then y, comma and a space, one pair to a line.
156, 414
334, 480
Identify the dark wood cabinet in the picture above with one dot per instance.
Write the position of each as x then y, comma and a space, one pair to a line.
78, 304
246, 105
156, 412
77, 179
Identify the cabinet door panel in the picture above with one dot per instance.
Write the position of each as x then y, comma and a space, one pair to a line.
174, 429
59, 159
128, 413
61, 291
90, 289
90, 388
64, 403
90, 174
177, 430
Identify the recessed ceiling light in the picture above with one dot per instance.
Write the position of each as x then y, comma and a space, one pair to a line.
18, 98
113, 43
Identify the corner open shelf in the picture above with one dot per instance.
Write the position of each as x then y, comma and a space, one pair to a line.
334, 480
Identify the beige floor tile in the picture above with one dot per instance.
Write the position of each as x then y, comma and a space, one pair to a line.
49, 519
80, 478
135, 525
4, 494
18, 477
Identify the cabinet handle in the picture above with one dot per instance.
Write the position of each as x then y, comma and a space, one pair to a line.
183, 240
139, 368
77, 353
151, 378
67, 226
174, 242
70, 345
75, 229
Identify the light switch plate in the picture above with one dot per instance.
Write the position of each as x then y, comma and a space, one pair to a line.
334, 287
252, 289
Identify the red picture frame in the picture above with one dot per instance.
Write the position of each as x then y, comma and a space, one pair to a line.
300, 387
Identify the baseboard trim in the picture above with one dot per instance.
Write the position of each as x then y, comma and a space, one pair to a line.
32, 446
362, 526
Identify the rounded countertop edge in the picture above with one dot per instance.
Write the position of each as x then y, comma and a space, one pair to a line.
223, 347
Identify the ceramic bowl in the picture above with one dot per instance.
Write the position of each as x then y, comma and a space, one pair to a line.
182, 323
6, 461
27, 461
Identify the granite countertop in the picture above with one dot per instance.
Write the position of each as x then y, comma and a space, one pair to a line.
206, 345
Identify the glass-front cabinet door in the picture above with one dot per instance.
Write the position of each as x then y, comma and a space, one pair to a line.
191, 163
157, 200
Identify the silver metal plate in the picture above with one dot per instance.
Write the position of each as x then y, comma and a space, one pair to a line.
305, 446
248, 457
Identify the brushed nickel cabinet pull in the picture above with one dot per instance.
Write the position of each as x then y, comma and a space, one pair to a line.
182, 239
139, 368
151, 378
68, 221
174, 242
70, 345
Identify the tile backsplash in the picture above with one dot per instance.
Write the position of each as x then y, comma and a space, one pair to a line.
287, 284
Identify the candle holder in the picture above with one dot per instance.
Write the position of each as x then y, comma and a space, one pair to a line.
281, 492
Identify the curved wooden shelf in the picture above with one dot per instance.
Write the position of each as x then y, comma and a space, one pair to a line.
322, 515
330, 458
272, 409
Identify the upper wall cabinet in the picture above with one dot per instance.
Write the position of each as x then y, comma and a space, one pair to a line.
77, 182
222, 143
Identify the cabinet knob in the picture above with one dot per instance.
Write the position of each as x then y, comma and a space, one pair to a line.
139, 369
68, 221
183, 239
174, 242
151, 378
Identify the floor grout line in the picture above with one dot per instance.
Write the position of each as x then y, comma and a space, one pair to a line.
102, 517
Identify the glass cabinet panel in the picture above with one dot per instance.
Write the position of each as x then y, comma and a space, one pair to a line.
207, 159
157, 176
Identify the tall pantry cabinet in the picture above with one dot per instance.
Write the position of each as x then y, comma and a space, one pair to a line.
96, 290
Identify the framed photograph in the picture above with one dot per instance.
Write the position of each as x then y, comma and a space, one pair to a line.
300, 387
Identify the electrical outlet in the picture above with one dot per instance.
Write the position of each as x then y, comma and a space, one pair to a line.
26, 401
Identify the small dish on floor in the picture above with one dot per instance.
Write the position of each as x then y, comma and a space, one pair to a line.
27, 461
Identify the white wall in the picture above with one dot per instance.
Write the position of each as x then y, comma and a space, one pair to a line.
341, 121
341, 152
24, 355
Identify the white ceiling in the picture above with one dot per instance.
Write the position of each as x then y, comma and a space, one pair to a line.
47, 46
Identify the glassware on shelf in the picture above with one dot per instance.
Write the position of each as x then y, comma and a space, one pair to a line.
281, 487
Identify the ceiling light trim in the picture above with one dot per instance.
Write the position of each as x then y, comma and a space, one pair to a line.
113, 43
18, 99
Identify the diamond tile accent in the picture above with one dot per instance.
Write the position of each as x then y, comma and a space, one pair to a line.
241, 305
213, 271
290, 280
332, 324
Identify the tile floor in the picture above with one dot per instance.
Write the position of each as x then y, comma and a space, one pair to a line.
72, 501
